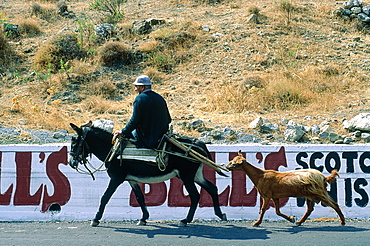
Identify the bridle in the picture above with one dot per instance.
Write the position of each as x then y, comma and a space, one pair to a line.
81, 156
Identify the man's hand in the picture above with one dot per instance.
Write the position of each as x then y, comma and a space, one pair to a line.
116, 134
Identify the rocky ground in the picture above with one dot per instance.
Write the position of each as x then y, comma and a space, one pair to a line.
234, 49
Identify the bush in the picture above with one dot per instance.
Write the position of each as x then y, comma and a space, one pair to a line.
106, 89
43, 12
113, 53
113, 7
7, 55
57, 52
29, 27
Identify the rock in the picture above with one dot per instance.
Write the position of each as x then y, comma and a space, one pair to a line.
106, 125
145, 26
104, 30
356, 10
256, 124
315, 129
11, 30
348, 140
205, 28
363, 17
269, 127
335, 138
253, 18
366, 137
366, 10
360, 122
293, 132
195, 124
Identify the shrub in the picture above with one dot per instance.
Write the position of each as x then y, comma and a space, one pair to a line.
113, 53
58, 51
113, 7
254, 10
148, 46
29, 27
162, 60
105, 89
287, 8
44, 12
7, 55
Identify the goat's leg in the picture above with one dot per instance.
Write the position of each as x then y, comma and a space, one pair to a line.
277, 210
329, 202
112, 187
140, 199
194, 198
310, 208
262, 211
212, 190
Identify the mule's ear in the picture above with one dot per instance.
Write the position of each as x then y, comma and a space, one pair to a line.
76, 128
88, 124
240, 153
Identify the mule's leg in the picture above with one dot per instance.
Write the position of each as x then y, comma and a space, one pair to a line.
194, 198
329, 202
213, 191
112, 187
277, 210
310, 208
140, 199
262, 211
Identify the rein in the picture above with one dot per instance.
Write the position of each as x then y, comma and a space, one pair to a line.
81, 159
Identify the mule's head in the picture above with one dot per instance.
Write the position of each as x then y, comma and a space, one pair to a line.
236, 163
79, 148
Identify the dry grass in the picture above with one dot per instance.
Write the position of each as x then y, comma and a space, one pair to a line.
297, 61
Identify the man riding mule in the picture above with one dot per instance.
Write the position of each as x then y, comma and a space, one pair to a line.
97, 141
150, 118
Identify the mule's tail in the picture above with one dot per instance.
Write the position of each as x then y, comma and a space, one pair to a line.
332, 177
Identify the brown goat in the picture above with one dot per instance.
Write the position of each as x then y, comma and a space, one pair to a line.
271, 184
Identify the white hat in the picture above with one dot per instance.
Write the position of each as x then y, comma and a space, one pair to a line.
142, 80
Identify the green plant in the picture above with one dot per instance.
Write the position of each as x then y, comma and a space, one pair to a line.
287, 9
113, 7
163, 61
2, 19
62, 47
254, 10
65, 68
86, 35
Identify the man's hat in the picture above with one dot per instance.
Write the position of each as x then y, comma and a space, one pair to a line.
142, 80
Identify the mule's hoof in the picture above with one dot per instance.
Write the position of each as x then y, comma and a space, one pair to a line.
291, 219
141, 223
94, 223
183, 223
342, 223
224, 217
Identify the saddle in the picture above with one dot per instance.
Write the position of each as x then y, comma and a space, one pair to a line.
131, 152
125, 149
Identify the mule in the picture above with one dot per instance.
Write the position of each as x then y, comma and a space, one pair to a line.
92, 140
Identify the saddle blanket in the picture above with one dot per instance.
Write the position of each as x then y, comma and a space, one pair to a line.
141, 154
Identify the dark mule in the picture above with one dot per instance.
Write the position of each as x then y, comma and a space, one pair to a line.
98, 142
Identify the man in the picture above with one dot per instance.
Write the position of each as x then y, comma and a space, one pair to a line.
150, 118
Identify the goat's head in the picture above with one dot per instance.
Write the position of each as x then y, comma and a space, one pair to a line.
236, 163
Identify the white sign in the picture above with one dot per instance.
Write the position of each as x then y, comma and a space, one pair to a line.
36, 183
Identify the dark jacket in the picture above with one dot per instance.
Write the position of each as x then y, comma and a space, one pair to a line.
150, 119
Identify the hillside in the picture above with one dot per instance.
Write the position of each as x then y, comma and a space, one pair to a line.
297, 60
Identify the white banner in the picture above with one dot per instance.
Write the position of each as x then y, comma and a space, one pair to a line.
36, 184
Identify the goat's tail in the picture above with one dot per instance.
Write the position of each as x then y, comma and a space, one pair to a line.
332, 177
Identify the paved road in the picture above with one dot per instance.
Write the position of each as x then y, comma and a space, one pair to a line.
356, 232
